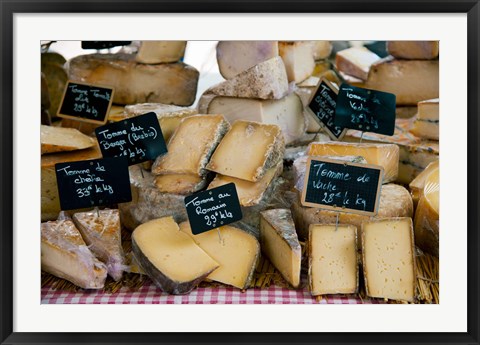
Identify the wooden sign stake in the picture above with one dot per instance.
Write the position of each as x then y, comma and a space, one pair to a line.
361, 137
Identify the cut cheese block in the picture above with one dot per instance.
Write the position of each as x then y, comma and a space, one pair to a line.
153, 52
287, 113
183, 184
298, 59
395, 201
172, 83
426, 124
50, 202
65, 255
58, 139
332, 259
355, 61
418, 183
234, 57
174, 262
248, 150
389, 259
413, 49
321, 49
280, 244
427, 215
148, 202
401, 77
349, 79
101, 231
267, 80
236, 252
385, 155
249, 193
191, 146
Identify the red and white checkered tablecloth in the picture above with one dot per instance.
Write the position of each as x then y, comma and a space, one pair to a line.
149, 294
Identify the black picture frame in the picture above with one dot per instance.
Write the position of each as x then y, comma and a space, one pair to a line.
7, 175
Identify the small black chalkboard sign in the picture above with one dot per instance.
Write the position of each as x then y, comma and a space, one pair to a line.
365, 110
342, 186
96, 182
104, 44
213, 208
87, 103
322, 107
138, 138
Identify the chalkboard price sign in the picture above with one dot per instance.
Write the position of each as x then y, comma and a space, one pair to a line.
213, 208
87, 103
138, 138
365, 110
342, 186
96, 182
103, 44
322, 107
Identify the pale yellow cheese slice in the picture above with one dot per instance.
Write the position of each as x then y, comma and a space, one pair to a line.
58, 139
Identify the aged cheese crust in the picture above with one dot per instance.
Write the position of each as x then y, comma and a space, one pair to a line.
413, 49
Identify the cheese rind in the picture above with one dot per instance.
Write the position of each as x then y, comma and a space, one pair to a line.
418, 183
234, 57
171, 83
413, 49
153, 52
389, 259
174, 262
332, 259
426, 124
280, 244
355, 61
183, 184
298, 59
248, 150
192, 145
58, 139
322, 49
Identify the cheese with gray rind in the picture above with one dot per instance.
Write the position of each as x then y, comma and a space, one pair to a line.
153, 52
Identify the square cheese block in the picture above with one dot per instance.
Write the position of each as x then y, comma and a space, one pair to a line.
65, 254
153, 52
321, 49
236, 252
171, 258
172, 83
267, 80
418, 183
401, 77
191, 145
413, 49
332, 259
385, 155
234, 57
58, 139
287, 113
355, 61
183, 184
249, 193
101, 231
389, 259
280, 244
426, 124
248, 150
298, 59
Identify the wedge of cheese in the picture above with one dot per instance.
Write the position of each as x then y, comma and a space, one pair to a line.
267, 80
58, 139
287, 113
332, 259
192, 145
418, 183
280, 244
389, 259
427, 235
356, 61
65, 255
401, 77
236, 252
101, 231
174, 262
413, 49
395, 201
385, 155
153, 52
322, 49
248, 150
172, 83
183, 184
234, 57
298, 59
405, 112
426, 124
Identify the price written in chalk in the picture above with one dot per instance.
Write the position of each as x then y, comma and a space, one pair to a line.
139, 139
342, 186
87, 103
365, 110
213, 208
322, 108
93, 183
